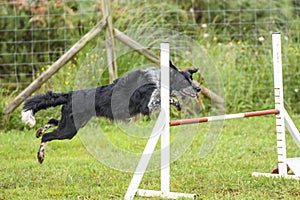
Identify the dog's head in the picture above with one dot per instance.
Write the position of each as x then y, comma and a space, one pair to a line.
181, 82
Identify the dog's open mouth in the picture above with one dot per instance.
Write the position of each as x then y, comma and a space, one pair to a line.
188, 92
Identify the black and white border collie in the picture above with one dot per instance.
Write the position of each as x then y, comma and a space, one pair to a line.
135, 93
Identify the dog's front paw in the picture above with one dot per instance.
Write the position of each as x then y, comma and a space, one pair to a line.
176, 103
178, 106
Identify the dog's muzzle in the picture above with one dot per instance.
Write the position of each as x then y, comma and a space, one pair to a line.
190, 91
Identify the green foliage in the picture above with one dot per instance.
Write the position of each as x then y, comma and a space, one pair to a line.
228, 31
14, 120
37, 34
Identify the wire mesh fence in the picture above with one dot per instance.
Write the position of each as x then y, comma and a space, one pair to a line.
35, 33
236, 35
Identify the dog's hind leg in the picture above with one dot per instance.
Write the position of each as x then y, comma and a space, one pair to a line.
41, 152
57, 134
66, 130
40, 131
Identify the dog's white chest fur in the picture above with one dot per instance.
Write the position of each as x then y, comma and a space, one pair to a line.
154, 103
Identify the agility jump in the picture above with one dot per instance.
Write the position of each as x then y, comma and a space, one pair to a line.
163, 124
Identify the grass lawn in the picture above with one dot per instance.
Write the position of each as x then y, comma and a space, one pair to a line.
70, 172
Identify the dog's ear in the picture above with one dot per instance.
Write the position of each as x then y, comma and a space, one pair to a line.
192, 71
173, 66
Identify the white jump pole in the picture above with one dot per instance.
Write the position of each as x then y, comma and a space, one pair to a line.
282, 119
279, 104
161, 128
165, 108
146, 156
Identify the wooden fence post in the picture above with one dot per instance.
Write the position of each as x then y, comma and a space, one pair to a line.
109, 42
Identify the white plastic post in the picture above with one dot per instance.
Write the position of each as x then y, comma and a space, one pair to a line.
289, 124
161, 128
144, 161
282, 119
279, 104
165, 109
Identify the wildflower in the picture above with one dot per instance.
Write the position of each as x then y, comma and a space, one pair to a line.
206, 35
294, 51
261, 39
204, 25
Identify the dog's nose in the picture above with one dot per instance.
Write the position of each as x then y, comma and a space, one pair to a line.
198, 89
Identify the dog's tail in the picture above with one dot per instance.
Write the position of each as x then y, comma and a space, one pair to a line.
39, 102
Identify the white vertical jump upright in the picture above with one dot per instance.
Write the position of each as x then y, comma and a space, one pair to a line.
161, 128
282, 119
279, 103
165, 108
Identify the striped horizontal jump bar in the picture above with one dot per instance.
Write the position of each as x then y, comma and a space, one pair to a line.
223, 117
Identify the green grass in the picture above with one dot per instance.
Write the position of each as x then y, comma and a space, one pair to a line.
70, 172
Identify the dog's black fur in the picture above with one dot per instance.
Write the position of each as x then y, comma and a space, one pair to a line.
138, 92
